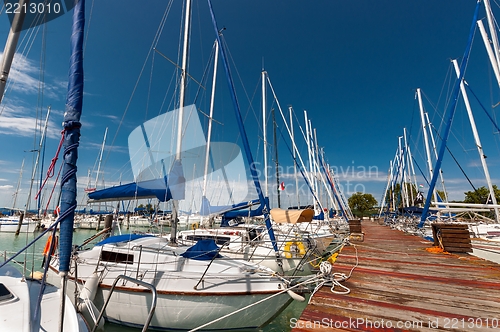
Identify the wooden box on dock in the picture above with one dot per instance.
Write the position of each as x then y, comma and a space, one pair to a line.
452, 237
355, 226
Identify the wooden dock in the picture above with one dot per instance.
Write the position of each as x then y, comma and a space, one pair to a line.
400, 286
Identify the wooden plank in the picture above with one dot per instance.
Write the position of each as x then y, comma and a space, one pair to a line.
446, 225
454, 231
457, 241
457, 249
456, 236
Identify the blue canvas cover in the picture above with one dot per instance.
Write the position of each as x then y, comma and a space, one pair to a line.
156, 188
203, 250
122, 238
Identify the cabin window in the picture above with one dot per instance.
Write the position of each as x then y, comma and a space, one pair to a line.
5, 293
116, 257
220, 240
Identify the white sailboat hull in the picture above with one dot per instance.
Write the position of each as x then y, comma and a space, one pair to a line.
183, 301
10, 225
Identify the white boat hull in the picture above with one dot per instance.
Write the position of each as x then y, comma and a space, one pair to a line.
10, 225
183, 301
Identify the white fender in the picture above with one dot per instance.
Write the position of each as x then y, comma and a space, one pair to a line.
87, 295
295, 296
90, 288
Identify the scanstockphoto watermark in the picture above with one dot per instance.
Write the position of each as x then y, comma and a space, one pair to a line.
24, 14
349, 179
356, 323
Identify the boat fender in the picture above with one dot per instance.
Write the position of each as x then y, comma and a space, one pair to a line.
90, 287
295, 296
87, 295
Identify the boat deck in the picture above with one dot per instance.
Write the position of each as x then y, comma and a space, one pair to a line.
400, 286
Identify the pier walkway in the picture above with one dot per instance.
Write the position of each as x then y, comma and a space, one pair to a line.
400, 286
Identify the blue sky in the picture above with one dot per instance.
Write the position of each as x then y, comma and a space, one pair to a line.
354, 66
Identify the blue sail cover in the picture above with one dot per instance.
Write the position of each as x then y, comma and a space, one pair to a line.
163, 189
203, 250
230, 215
72, 126
135, 190
207, 209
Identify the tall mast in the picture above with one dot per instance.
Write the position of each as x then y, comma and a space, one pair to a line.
402, 170
294, 159
492, 27
477, 141
185, 50
264, 134
26, 207
491, 55
409, 166
183, 82
11, 44
210, 118
100, 158
308, 142
278, 187
426, 138
18, 184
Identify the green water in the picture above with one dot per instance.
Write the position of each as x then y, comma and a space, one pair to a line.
11, 244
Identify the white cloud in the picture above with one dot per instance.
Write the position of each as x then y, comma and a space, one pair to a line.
23, 78
6, 187
25, 126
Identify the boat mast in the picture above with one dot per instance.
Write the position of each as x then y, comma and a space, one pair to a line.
278, 187
100, 158
264, 133
477, 141
26, 207
182, 94
210, 118
409, 166
11, 45
491, 55
426, 138
294, 159
18, 184
402, 165
308, 142
492, 27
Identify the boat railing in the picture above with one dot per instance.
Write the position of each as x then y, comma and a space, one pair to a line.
139, 282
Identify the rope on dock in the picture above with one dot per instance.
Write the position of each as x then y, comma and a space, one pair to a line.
326, 276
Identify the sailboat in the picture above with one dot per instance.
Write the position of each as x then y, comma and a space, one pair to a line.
30, 304
138, 280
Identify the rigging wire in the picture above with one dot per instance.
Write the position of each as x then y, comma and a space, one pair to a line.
153, 43
456, 161
484, 109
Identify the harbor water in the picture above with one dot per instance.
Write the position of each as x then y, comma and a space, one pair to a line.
31, 260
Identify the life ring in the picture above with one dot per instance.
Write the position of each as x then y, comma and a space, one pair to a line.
195, 226
48, 244
299, 249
